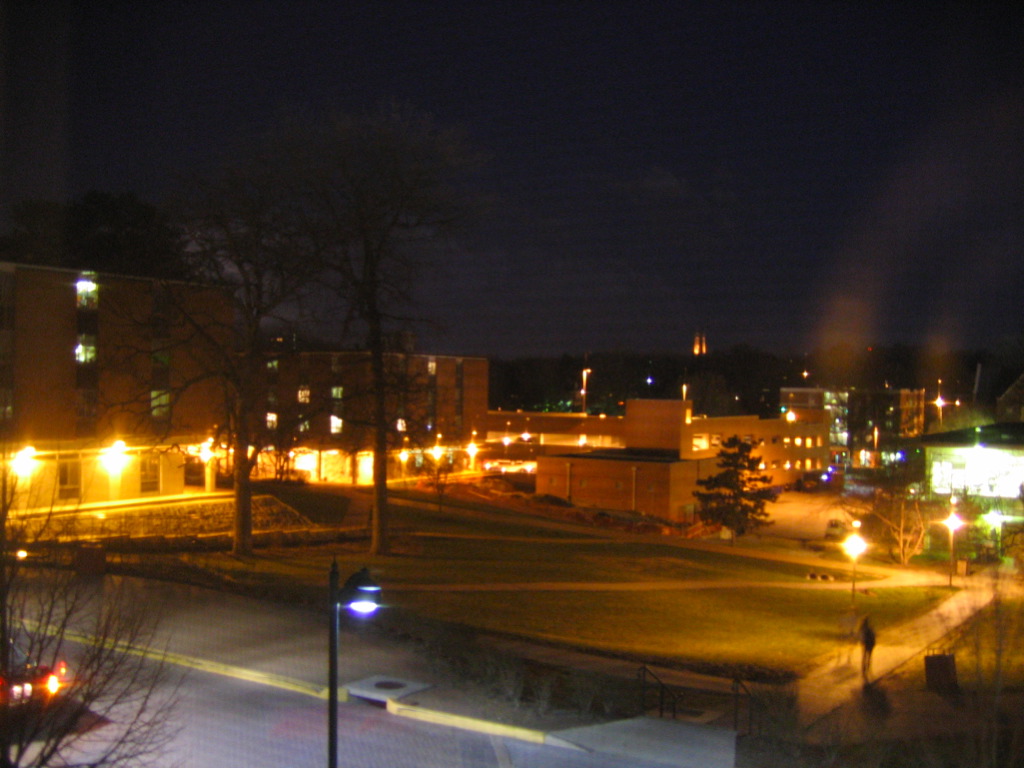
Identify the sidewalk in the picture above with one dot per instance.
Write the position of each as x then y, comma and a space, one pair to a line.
836, 680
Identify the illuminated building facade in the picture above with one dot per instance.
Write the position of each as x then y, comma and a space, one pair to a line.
320, 412
668, 448
882, 421
865, 425
835, 406
89, 366
985, 462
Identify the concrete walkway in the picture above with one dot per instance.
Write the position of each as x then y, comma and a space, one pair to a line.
836, 678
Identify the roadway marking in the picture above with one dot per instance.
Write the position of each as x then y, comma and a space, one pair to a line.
204, 665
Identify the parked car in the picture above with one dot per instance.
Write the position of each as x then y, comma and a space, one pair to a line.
31, 683
836, 529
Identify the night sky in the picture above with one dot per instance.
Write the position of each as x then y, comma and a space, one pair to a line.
779, 174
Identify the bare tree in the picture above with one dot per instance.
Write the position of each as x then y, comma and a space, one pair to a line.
240, 235
379, 193
117, 710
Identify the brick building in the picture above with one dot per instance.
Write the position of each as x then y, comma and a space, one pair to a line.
668, 448
320, 409
90, 367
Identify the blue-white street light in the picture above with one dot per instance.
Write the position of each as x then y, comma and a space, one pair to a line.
360, 594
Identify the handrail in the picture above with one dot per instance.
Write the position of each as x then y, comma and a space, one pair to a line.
663, 691
737, 686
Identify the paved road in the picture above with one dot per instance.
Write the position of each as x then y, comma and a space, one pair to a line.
253, 694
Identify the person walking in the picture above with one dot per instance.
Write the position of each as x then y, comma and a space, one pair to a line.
867, 645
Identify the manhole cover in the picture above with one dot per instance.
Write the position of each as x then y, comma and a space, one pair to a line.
388, 685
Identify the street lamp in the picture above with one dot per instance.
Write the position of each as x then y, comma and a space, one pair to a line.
583, 391
954, 523
854, 547
361, 595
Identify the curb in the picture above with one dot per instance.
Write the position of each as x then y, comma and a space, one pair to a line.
465, 723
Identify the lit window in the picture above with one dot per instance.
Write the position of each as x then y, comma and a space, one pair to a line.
716, 440
785, 441
304, 425
85, 350
271, 420
700, 442
336, 425
87, 291
400, 425
337, 393
798, 441
160, 403
303, 395
432, 367
271, 365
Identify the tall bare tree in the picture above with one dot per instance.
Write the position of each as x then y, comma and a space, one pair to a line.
380, 194
240, 234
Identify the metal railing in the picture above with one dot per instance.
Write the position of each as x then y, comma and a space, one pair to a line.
666, 696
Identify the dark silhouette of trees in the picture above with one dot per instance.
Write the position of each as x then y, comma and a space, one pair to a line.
104, 232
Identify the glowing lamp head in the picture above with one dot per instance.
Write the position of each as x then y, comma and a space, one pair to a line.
361, 594
854, 546
953, 522
24, 462
115, 457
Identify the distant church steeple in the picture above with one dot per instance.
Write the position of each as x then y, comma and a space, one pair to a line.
700, 343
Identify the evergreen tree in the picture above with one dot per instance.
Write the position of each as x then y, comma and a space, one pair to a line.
737, 495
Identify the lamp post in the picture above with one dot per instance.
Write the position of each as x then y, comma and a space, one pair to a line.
583, 391
854, 547
953, 523
361, 595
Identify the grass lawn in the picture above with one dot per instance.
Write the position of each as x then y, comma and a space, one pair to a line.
778, 629
444, 560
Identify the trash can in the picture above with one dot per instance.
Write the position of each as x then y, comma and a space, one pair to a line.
940, 673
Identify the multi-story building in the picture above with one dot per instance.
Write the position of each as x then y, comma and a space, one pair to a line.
668, 449
882, 421
835, 405
864, 424
90, 373
320, 412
